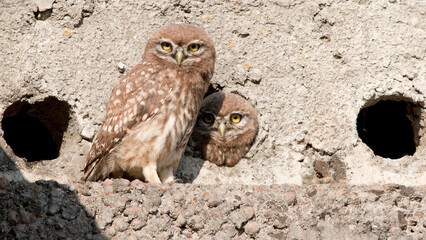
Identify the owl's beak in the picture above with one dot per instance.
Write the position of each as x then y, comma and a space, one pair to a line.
222, 129
179, 57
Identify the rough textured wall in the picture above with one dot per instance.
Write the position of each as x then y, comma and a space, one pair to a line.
308, 67
311, 69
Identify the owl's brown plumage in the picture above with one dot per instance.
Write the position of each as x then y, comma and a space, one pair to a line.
153, 109
226, 128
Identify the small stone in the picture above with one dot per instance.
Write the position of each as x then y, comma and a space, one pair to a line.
132, 212
121, 67
138, 184
119, 205
88, 133
104, 217
13, 217
248, 212
402, 220
195, 223
4, 183
251, 228
88, 8
4, 227
213, 200
207, 237
311, 192
180, 221
290, 198
281, 222
206, 17
59, 225
406, 191
108, 186
53, 209
26, 217
111, 231
44, 5
238, 218
70, 212
229, 230
120, 224
122, 182
138, 224
321, 168
255, 76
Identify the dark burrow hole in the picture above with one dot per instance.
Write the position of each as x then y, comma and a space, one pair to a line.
43, 15
35, 131
390, 127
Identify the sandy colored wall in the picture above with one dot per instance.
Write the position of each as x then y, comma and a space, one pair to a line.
308, 67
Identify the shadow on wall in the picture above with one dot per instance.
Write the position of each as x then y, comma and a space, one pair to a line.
189, 168
41, 210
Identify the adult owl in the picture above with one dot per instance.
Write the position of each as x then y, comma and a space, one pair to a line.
226, 128
153, 109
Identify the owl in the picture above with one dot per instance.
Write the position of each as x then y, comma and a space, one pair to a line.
152, 111
226, 128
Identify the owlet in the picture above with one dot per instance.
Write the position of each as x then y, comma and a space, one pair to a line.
226, 128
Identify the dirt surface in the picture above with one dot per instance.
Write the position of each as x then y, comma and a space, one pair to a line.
120, 209
311, 69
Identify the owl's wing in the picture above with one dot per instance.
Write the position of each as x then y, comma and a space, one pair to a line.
133, 100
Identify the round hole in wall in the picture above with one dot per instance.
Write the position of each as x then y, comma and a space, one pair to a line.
35, 131
390, 127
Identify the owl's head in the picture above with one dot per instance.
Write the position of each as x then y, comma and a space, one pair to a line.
226, 127
227, 118
181, 46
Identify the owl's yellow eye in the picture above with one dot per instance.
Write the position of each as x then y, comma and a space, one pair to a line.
235, 118
166, 45
194, 47
208, 118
